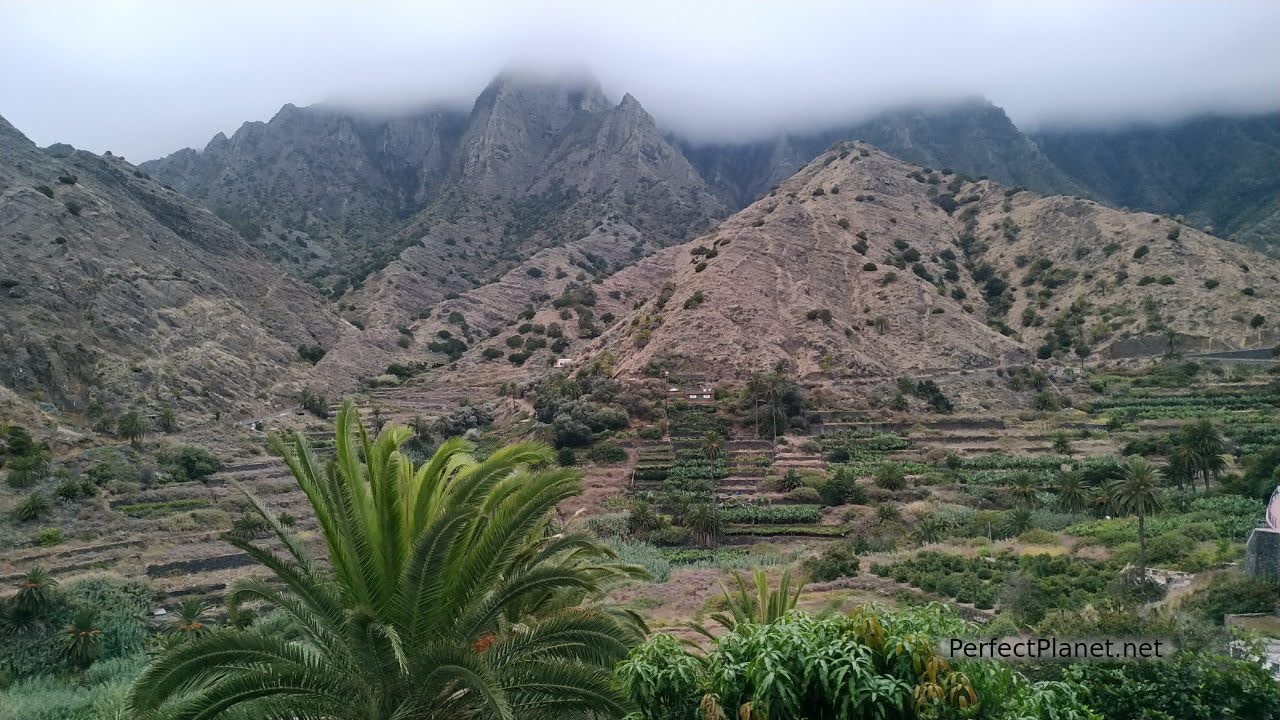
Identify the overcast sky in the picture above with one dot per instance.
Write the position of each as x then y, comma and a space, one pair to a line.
144, 78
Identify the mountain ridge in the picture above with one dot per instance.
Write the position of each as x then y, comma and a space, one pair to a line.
119, 290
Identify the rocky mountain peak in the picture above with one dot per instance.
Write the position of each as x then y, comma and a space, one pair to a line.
572, 93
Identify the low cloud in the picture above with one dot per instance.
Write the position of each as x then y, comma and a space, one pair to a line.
143, 78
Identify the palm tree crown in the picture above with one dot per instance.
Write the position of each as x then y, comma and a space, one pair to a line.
1136, 492
1023, 489
447, 594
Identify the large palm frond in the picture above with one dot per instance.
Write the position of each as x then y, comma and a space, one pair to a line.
445, 592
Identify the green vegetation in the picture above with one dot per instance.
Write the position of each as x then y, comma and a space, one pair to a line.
311, 353
1028, 586
187, 462
109, 615
772, 514
467, 603
857, 665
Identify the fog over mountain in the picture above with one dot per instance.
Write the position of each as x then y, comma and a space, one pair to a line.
147, 78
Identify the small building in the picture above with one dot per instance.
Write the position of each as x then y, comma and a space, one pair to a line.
694, 394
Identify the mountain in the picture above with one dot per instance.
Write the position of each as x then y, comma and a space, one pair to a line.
553, 185
319, 188
336, 196
974, 137
1215, 171
863, 265
429, 210
120, 291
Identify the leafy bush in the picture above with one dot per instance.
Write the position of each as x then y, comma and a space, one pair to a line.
869, 663
566, 457
837, 560
804, 495
671, 535
460, 420
607, 452
1028, 585
187, 462
101, 693
311, 353
842, 488
1233, 595
1190, 685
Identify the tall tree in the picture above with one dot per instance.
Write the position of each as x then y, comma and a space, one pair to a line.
447, 593
773, 396
1202, 442
1137, 492
1181, 467
712, 445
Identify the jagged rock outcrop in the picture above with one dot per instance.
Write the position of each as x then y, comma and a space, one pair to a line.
597, 180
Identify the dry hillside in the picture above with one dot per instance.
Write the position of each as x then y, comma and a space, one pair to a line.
864, 265
121, 291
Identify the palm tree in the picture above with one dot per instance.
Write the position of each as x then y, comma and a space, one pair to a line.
1181, 468
1061, 443
1137, 492
767, 393
132, 427
447, 592
712, 445
1023, 489
1204, 444
1018, 521
167, 421
642, 519
82, 638
1071, 495
27, 470
703, 520
192, 619
35, 595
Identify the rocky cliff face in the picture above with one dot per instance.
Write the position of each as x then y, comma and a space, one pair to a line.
119, 290
601, 184
335, 196
404, 219
317, 188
